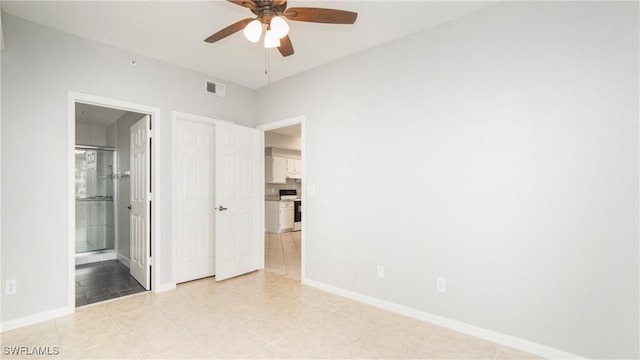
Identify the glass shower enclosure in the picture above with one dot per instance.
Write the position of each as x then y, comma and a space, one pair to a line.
95, 216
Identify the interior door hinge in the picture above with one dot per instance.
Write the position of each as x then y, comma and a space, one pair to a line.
150, 133
149, 196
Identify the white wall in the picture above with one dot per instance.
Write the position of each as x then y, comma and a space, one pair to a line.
272, 139
111, 136
39, 67
514, 135
90, 134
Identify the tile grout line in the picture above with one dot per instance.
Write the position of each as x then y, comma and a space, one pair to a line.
284, 258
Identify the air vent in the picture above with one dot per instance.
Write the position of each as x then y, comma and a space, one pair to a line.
216, 88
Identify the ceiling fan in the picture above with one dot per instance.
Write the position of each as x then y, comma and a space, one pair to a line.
272, 14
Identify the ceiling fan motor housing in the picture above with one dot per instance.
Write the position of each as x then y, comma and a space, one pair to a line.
266, 10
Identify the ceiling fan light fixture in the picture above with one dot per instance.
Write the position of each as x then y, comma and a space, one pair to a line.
271, 40
253, 31
279, 26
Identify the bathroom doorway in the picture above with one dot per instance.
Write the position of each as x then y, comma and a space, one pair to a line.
102, 204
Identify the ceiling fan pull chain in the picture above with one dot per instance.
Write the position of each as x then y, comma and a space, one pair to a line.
267, 65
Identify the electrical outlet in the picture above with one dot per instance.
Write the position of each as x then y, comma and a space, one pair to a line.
441, 284
380, 271
11, 287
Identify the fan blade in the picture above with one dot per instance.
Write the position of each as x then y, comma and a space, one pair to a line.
229, 30
285, 48
244, 3
317, 15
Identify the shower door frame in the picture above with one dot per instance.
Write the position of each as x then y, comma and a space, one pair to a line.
154, 173
104, 253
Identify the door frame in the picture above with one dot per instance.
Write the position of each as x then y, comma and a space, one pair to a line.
175, 116
154, 112
301, 119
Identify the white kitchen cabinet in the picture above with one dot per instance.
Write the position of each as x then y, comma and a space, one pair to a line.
278, 216
275, 170
294, 168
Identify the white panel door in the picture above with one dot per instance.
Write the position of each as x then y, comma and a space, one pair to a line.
195, 206
239, 220
139, 263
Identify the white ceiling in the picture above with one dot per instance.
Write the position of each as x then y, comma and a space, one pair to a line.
97, 115
173, 31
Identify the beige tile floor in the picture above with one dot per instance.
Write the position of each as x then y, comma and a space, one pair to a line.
260, 315
282, 253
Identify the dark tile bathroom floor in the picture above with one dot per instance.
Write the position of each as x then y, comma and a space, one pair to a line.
103, 281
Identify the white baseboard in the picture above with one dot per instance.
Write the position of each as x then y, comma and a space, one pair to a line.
164, 287
123, 259
54, 314
87, 259
35, 318
493, 336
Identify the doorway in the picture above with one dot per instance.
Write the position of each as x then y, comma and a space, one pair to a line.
109, 248
284, 197
103, 203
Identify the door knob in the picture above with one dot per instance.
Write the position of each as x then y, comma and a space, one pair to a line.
222, 208
129, 207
